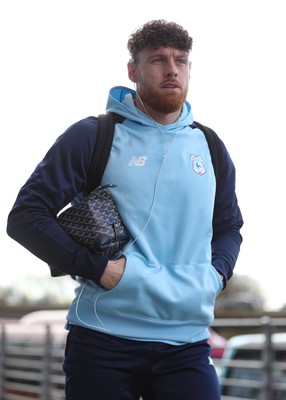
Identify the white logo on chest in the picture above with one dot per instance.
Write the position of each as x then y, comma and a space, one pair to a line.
198, 164
137, 161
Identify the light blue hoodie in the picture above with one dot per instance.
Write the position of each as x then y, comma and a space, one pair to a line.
165, 194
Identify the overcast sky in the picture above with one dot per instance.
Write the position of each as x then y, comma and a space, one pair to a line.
59, 59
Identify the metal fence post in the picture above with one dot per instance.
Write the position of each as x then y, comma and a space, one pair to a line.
267, 358
2, 360
45, 384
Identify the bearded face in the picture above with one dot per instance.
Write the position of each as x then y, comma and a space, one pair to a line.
161, 102
162, 78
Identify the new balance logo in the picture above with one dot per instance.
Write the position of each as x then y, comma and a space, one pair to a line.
137, 161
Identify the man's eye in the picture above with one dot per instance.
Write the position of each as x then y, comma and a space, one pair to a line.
182, 61
158, 60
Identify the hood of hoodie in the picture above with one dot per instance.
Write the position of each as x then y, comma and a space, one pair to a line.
121, 101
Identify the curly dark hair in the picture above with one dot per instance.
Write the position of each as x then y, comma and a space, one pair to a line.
159, 33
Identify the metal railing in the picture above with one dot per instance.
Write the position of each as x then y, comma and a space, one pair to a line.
33, 369
267, 387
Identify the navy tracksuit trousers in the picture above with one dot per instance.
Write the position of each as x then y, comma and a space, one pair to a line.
103, 367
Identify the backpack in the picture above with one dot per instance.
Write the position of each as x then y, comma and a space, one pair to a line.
105, 133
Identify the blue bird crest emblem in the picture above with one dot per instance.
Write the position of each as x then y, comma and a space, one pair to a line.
198, 164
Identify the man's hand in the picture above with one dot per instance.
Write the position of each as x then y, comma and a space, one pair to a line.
113, 273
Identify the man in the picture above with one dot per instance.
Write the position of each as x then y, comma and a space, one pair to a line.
138, 325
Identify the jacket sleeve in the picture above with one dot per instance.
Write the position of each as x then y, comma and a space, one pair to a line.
227, 221
54, 183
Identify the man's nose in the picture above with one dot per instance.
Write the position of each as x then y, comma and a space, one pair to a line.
171, 68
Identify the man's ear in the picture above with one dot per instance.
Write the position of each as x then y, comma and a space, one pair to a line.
132, 72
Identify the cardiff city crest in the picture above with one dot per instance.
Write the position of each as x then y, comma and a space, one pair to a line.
198, 164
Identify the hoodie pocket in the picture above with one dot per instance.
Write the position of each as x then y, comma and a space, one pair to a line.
177, 293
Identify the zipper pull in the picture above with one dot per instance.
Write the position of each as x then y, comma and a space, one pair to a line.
108, 185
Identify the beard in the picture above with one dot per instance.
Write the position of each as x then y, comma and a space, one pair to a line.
167, 103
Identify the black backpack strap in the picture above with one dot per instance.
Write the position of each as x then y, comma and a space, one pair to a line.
214, 144
105, 134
